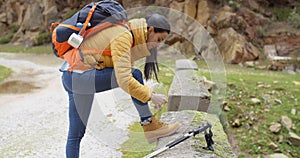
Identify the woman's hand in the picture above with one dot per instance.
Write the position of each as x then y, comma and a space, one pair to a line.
158, 100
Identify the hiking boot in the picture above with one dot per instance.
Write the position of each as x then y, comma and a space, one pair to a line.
157, 129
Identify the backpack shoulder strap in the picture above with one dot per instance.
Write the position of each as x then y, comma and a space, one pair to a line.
103, 26
92, 10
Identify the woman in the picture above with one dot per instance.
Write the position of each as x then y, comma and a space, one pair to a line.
115, 70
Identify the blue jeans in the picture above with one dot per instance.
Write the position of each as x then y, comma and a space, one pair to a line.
81, 89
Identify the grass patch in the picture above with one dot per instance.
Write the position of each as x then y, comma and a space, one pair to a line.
4, 72
42, 49
6, 39
278, 95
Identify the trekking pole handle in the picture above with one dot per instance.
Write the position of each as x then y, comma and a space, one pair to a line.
201, 128
179, 140
194, 132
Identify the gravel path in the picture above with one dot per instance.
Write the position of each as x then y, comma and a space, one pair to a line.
34, 121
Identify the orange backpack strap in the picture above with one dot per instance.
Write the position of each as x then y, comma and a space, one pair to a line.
70, 26
96, 51
97, 28
87, 20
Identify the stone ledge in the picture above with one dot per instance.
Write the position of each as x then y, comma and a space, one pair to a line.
186, 92
185, 64
192, 147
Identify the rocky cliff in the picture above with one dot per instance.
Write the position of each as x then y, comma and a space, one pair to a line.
240, 28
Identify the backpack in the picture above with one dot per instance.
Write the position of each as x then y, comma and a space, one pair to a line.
91, 19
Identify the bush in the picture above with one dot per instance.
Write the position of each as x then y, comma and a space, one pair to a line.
294, 18
7, 38
43, 38
234, 5
69, 14
13, 28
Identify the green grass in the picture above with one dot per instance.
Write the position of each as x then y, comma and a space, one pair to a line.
4, 72
253, 136
43, 49
270, 87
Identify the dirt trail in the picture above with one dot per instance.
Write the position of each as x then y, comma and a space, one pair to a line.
34, 112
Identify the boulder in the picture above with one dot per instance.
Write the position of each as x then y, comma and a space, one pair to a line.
294, 138
203, 12
33, 24
235, 48
190, 8
276, 155
192, 147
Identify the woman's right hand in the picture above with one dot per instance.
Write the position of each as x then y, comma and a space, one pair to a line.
158, 100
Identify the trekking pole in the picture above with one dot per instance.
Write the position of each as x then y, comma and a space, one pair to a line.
201, 128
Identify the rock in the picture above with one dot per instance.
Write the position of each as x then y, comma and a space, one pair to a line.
134, 3
227, 108
192, 147
286, 122
50, 15
227, 19
235, 48
275, 127
255, 101
3, 17
236, 123
203, 13
209, 85
190, 8
294, 138
185, 64
293, 111
270, 50
276, 155
278, 101
273, 146
296, 83
29, 23
280, 139
249, 63
187, 92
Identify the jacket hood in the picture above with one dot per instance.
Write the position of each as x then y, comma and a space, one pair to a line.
138, 28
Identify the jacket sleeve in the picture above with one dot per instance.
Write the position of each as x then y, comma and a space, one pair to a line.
121, 57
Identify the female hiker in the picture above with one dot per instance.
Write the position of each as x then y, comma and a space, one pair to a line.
115, 70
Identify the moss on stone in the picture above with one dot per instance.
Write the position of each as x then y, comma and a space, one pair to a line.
221, 144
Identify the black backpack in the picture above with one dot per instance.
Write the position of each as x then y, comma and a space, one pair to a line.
91, 19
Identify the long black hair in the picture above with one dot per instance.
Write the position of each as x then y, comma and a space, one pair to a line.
160, 24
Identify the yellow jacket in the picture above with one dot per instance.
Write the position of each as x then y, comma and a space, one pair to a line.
119, 40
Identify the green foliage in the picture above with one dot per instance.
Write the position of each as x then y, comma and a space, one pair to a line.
281, 13
14, 28
23, 49
278, 95
7, 38
261, 31
234, 5
43, 38
294, 18
69, 14
4, 72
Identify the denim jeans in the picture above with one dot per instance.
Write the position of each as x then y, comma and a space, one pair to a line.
81, 88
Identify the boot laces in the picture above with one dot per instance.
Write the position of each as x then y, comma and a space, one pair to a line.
162, 123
